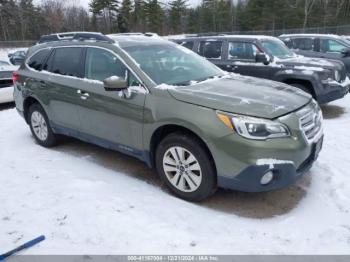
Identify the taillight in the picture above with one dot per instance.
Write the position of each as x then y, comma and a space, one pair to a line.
15, 77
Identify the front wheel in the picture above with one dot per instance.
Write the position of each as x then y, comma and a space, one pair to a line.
185, 166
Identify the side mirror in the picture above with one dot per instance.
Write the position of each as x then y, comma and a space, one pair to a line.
346, 52
9, 55
262, 58
115, 83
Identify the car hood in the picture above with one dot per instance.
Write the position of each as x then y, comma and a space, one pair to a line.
312, 63
243, 95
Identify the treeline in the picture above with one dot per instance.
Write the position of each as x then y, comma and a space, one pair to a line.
22, 20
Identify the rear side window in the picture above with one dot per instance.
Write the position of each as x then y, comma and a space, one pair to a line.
67, 61
242, 50
187, 44
37, 60
306, 44
101, 64
210, 49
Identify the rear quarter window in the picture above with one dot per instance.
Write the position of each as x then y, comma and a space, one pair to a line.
36, 61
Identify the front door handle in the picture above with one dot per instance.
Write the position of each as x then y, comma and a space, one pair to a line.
232, 67
83, 95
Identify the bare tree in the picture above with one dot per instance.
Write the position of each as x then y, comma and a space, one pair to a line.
308, 6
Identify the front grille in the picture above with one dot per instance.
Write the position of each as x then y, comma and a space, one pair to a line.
6, 83
311, 122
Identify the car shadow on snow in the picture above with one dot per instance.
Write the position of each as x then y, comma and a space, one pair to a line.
332, 111
260, 205
250, 205
6, 106
109, 159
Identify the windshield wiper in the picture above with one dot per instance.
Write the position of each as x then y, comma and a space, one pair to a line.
189, 82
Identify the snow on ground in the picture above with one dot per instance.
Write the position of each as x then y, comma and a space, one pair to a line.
89, 200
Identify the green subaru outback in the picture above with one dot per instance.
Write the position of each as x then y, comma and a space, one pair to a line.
199, 127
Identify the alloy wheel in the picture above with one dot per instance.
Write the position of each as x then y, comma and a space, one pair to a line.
39, 125
182, 169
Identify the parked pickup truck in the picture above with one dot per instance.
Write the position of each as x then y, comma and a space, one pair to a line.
321, 46
268, 57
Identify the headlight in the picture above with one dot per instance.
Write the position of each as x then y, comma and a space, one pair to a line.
337, 76
330, 75
254, 128
327, 74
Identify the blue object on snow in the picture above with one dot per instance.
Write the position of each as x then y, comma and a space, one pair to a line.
24, 246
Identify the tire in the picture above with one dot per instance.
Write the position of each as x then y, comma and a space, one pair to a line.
193, 178
40, 126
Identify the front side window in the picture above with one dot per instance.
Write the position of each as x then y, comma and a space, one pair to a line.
306, 44
242, 50
210, 49
187, 44
132, 80
277, 49
101, 64
67, 61
171, 63
37, 60
332, 46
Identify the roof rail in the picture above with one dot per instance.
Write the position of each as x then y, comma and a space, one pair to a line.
150, 34
205, 34
77, 36
195, 35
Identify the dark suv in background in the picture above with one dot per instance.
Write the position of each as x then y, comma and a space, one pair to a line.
268, 57
321, 46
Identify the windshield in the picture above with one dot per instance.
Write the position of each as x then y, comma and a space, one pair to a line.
277, 49
172, 64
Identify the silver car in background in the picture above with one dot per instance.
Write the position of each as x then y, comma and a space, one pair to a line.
6, 82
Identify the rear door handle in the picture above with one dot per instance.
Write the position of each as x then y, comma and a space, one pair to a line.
42, 83
83, 95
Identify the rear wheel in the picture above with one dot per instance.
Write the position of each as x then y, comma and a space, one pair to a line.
40, 126
185, 167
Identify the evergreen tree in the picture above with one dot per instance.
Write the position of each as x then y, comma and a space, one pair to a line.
108, 10
138, 16
154, 16
124, 16
177, 13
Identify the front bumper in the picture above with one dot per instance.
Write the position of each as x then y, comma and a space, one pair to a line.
333, 91
284, 174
